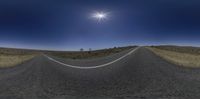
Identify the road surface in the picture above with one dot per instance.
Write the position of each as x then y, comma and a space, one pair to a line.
137, 74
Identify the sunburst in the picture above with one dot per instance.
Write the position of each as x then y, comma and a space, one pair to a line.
100, 16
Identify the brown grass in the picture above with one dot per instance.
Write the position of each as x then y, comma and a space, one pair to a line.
12, 60
182, 59
89, 54
181, 49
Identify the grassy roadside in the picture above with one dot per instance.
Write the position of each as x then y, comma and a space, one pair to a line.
10, 57
181, 49
12, 60
179, 58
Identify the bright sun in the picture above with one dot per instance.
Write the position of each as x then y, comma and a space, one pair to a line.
99, 16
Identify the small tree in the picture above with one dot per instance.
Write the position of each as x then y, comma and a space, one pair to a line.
81, 49
90, 50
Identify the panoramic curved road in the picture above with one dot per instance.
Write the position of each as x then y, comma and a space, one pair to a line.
137, 75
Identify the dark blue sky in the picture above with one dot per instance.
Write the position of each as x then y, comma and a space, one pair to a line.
67, 25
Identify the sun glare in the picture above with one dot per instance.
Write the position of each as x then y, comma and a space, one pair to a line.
99, 16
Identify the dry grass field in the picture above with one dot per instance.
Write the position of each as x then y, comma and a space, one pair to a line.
12, 60
88, 54
11, 57
181, 49
187, 57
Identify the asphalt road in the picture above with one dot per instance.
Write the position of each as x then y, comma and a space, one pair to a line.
138, 75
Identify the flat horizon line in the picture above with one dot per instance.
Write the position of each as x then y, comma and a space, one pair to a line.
38, 49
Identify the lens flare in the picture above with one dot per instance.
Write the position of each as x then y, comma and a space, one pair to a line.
99, 16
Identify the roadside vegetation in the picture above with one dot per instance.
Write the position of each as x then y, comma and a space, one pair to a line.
181, 49
12, 57
88, 54
12, 60
183, 56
